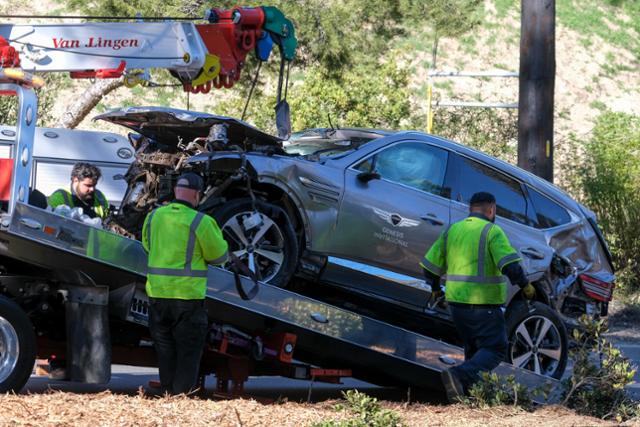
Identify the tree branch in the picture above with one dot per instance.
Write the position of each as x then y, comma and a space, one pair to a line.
87, 101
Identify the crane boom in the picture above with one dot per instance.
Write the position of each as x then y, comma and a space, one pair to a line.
201, 56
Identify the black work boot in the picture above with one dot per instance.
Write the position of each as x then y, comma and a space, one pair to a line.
452, 385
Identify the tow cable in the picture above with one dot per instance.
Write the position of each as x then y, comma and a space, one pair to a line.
238, 267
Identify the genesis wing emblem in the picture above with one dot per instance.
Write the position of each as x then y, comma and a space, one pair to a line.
395, 219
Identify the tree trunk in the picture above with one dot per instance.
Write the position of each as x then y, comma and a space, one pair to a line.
89, 99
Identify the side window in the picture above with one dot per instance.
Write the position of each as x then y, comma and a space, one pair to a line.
548, 213
475, 177
414, 164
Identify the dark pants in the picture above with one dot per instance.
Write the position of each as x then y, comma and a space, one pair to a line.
484, 335
179, 329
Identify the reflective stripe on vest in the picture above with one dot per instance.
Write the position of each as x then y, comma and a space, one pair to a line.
191, 243
482, 248
67, 198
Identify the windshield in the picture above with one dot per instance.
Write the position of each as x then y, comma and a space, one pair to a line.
322, 143
321, 147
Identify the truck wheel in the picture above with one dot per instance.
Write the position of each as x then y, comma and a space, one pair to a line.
17, 346
267, 245
537, 339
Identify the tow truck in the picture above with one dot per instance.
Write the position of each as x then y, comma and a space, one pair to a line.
73, 291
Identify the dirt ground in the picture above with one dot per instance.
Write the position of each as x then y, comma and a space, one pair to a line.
107, 409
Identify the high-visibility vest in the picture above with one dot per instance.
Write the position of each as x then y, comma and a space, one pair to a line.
470, 256
181, 242
64, 197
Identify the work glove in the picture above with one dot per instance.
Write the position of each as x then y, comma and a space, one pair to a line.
529, 292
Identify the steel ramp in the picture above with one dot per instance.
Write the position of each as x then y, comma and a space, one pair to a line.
376, 351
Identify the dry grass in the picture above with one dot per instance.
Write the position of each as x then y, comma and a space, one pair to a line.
107, 409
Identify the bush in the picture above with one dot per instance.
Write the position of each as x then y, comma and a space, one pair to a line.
608, 182
494, 132
366, 412
600, 373
496, 390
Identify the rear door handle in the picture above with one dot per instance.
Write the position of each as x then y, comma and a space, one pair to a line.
432, 218
31, 223
532, 253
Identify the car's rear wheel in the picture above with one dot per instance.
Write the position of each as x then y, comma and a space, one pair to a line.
263, 238
537, 339
17, 346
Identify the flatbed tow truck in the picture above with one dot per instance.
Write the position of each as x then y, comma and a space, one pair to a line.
75, 292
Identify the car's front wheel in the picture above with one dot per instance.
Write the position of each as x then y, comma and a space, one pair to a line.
537, 339
17, 346
262, 237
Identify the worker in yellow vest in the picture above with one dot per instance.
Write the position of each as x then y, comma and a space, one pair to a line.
181, 242
473, 256
83, 192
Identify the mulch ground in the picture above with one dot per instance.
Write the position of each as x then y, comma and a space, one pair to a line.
108, 409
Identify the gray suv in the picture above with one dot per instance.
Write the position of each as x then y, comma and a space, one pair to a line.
347, 214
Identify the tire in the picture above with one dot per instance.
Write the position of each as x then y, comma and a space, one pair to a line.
278, 239
547, 354
17, 346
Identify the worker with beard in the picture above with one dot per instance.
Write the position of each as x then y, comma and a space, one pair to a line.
82, 192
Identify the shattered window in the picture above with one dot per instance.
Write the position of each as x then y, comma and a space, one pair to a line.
548, 213
510, 200
414, 164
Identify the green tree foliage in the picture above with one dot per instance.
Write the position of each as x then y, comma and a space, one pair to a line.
492, 131
345, 69
608, 181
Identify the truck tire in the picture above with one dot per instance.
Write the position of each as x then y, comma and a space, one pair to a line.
537, 339
270, 249
17, 346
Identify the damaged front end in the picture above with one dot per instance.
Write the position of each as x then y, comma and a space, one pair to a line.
164, 141
581, 277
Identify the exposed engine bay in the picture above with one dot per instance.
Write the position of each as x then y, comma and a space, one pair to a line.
162, 152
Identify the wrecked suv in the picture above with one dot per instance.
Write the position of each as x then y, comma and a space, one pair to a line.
351, 212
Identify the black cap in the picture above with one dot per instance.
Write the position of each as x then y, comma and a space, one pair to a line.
482, 197
190, 180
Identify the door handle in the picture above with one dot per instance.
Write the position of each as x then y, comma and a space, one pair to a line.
532, 253
432, 218
31, 223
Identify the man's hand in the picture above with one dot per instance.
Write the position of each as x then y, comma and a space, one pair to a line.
529, 292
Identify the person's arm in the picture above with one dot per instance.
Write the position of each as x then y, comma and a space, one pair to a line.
57, 198
506, 257
434, 262
214, 247
432, 279
515, 273
145, 233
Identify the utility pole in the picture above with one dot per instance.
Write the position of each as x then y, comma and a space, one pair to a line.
537, 79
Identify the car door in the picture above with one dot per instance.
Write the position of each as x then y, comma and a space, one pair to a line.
515, 214
386, 224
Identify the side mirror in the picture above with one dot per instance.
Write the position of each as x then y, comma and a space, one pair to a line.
368, 176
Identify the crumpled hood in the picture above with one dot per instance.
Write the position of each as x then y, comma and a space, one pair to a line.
170, 125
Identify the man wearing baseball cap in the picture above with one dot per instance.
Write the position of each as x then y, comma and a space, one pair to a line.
180, 242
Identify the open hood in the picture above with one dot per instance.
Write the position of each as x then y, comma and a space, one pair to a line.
169, 125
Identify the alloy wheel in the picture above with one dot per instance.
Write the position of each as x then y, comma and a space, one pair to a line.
9, 349
260, 247
537, 345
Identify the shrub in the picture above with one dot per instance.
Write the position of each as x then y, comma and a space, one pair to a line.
491, 131
495, 390
608, 182
596, 386
366, 412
